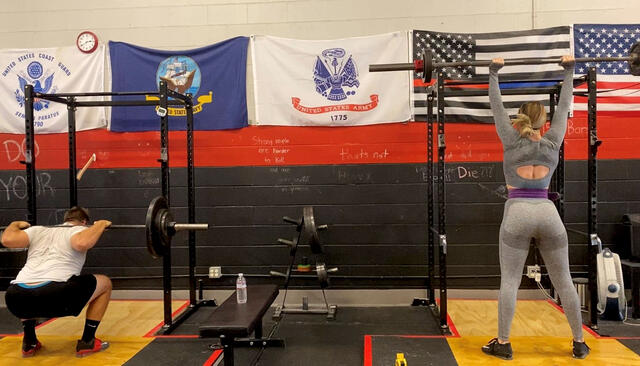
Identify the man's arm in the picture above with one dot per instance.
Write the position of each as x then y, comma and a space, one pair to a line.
87, 238
14, 237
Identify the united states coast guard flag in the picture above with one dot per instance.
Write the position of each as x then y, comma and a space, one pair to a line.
49, 70
214, 75
328, 83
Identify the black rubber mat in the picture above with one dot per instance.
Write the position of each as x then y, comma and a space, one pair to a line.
310, 339
610, 328
416, 351
190, 325
173, 351
314, 340
398, 320
9, 324
632, 344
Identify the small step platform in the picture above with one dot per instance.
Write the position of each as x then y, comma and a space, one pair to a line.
233, 323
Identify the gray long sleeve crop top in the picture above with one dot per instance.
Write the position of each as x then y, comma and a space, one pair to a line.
520, 151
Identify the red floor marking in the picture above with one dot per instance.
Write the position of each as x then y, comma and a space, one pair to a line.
368, 361
175, 336
368, 349
407, 335
452, 327
144, 300
21, 333
213, 358
586, 328
45, 323
480, 299
155, 329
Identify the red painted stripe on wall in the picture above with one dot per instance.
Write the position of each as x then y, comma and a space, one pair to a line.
275, 145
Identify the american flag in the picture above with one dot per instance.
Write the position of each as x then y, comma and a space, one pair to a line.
448, 47
618, 91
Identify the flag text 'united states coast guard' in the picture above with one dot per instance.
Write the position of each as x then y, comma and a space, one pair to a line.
50, 71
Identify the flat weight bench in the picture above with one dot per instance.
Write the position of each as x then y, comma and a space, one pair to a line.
233, 322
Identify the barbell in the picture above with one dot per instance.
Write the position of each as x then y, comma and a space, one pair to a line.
322, 272
159, 227
426, 64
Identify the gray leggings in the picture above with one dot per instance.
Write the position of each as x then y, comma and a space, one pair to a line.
526, 218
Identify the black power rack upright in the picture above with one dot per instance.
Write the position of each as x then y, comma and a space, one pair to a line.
162, 101
557, 185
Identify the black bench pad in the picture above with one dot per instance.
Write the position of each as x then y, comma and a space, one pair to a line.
239, 320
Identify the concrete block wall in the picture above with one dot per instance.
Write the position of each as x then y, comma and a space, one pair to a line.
185, 24
179, 24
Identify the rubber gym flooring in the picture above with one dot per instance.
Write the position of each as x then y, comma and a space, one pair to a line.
359, 336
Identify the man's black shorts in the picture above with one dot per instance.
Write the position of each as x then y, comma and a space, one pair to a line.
52, 300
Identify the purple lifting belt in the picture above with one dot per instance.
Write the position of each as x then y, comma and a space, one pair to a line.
533, 193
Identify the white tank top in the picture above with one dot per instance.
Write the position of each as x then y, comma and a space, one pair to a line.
50, 256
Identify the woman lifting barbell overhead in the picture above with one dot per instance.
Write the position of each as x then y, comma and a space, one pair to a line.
50, 284
529, 161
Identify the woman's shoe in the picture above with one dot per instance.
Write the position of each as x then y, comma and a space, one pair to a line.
580, 349
496, 349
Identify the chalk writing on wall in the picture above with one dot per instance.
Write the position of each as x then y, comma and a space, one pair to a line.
273, 150
14, 149
460, 173
351, 154
14, 187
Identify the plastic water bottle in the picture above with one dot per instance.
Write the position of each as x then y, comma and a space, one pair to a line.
241, 289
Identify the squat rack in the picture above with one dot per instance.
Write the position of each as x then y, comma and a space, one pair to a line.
162, 102
557, 185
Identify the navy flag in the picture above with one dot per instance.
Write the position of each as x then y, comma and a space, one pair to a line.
214, 75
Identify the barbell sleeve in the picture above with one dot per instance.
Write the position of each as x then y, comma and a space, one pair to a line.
289, 220
124, 227
392, 67
176, 226
285, 242
184, 227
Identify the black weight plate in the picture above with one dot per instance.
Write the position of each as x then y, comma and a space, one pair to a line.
634, 65
427, 58
155, 240
309, 235
323, 276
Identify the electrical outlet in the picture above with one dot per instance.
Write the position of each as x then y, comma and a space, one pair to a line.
215, 272
533, 271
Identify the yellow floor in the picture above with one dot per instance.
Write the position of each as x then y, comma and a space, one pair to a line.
540, 335
122, 319
59, 350
124, 326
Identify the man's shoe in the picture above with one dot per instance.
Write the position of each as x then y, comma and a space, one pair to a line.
496, 349
29, 350
87, 348
580, 350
